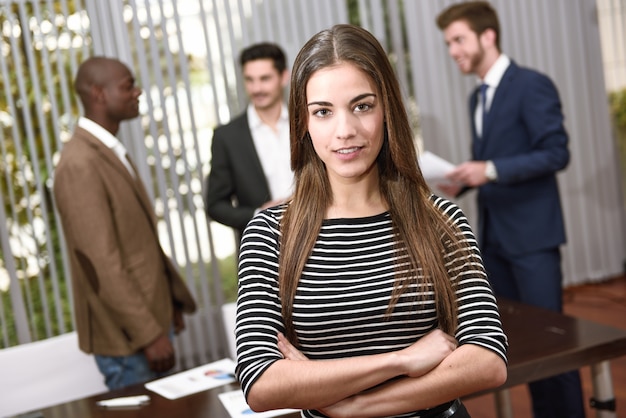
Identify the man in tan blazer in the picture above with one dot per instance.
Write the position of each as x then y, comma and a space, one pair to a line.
128, 296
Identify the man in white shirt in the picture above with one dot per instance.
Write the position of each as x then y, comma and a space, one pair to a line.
250, 156
128, 296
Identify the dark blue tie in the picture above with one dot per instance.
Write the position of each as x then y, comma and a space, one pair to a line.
483, 100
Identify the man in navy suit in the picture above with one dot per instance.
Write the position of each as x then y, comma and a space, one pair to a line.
519, 143
250, 158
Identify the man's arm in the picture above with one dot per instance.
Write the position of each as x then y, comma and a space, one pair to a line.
542, 117
220, 188
542, 129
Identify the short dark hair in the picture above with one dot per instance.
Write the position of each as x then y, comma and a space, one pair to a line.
264, 50
479, 15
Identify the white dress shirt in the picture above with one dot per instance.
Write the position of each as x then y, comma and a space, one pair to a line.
272, 147
492, 79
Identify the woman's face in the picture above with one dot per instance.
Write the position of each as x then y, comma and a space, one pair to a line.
345, 122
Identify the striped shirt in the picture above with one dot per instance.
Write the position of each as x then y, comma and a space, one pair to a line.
343, 294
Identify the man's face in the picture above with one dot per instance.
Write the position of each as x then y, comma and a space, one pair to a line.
465, 47
121, 93
264, 84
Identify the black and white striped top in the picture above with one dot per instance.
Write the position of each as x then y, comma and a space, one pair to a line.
343, 294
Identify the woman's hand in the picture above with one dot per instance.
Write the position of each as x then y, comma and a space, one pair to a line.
414, 361
417, 359
426, 353
288, 350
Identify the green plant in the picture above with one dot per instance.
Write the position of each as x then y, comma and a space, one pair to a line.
617, 103
228, 270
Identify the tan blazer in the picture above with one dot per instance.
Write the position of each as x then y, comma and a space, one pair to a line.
125, 287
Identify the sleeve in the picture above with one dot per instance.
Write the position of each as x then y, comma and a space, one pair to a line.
258, 304
478, 316
542, 119
220, 187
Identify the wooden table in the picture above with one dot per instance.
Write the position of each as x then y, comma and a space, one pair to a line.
200, 405
541, 344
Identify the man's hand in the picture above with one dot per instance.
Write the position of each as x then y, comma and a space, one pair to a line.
450, 189
470, 173
160, 354
179, 321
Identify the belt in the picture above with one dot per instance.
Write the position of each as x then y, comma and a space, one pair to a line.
443, 411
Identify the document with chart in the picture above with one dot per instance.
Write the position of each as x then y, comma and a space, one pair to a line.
195, 380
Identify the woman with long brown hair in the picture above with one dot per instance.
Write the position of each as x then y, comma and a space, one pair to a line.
364, 295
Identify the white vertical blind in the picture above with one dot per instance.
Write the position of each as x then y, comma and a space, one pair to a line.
612, 19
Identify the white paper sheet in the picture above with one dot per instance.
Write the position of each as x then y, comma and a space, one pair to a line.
434, 168
194, 380
235, 404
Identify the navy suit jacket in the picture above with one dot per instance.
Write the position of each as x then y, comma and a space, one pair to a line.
525, 138
236, 185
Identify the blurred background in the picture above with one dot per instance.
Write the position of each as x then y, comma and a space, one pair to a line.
184, 55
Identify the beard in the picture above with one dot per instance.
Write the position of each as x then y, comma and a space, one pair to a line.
476, 60
264, 101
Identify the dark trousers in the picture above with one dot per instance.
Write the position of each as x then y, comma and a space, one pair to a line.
536, 279
558, 397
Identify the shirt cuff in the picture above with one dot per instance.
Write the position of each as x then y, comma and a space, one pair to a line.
490, 171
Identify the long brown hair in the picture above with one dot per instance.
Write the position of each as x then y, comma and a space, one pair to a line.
419, 224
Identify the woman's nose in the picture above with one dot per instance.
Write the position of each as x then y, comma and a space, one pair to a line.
346, 127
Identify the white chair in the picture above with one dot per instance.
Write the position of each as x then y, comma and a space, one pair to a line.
45, 373
229, 316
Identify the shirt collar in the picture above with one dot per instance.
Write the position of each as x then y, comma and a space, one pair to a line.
495, 73
254, 121
104, 136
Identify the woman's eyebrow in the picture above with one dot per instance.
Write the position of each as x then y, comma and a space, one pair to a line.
320, 103
356, 99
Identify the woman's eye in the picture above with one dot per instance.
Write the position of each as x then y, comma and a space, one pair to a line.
362, 107
321, 113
